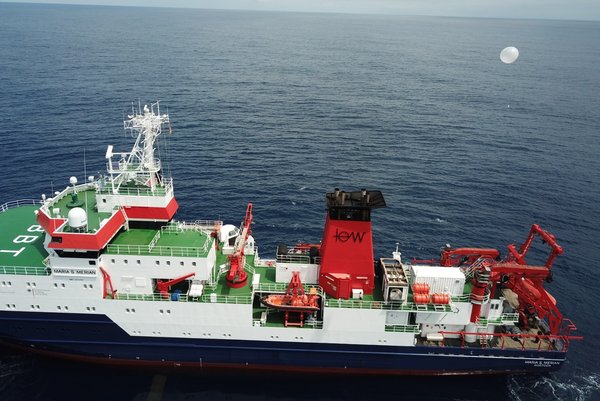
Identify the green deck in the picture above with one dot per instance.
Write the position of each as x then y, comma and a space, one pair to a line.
139, 241
88, 198
14, 222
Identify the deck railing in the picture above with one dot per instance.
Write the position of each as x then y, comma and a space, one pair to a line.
307, 324
402, 328
502, 319
467, 298
203, 226
521, 341
282, 287
298, 259
407, 306
150, 249
175, 297
152, 243
160, 190
21, 202
25, 270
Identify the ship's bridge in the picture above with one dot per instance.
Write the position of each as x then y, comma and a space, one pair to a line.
73, 221
87, 216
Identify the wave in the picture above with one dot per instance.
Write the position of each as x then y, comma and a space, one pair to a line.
578, 388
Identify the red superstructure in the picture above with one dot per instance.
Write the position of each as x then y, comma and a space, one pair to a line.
347, 245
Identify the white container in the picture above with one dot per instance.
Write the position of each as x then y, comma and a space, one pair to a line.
441, 279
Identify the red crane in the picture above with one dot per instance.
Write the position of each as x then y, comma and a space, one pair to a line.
526, 281
164, 286
237, 277
467, 256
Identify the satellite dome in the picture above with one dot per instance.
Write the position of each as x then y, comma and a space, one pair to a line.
77, 218
228, 231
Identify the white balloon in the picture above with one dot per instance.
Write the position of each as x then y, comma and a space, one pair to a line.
509, 55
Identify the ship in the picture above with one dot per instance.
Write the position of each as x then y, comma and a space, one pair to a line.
102, 272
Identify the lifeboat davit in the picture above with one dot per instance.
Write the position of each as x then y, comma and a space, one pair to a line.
304, 303
295, 298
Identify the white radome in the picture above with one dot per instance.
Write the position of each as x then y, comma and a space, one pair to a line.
77, 218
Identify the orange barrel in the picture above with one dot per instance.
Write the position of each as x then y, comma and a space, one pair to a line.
440, 299
421, 298
421, 288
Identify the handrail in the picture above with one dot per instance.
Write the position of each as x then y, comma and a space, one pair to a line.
502, 319
299, 258
174, 297
461, 298
116, 167
17, 203
152, 243
249, 268
165, 189
553, 342
402, 328
25, 270
307, 324
122, 249
50, 202
407, 306
203, 226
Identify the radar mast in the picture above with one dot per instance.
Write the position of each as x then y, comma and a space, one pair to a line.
139, 167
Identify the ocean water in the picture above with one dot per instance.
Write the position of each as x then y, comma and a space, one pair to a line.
279, 108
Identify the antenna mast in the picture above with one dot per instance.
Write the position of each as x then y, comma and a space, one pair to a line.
139, 167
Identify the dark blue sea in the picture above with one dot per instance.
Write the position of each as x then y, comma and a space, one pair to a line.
278, 108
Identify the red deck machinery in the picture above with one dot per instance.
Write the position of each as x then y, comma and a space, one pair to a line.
237, 276
163, 287
526, 281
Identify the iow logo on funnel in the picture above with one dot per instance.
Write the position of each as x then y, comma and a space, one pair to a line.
345, 236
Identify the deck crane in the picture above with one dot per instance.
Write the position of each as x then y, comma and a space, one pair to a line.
163, 287
236, 277
526, 281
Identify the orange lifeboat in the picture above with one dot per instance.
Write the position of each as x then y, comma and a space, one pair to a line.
305, 303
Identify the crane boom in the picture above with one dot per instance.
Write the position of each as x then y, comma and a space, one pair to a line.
237, 277
163, 286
